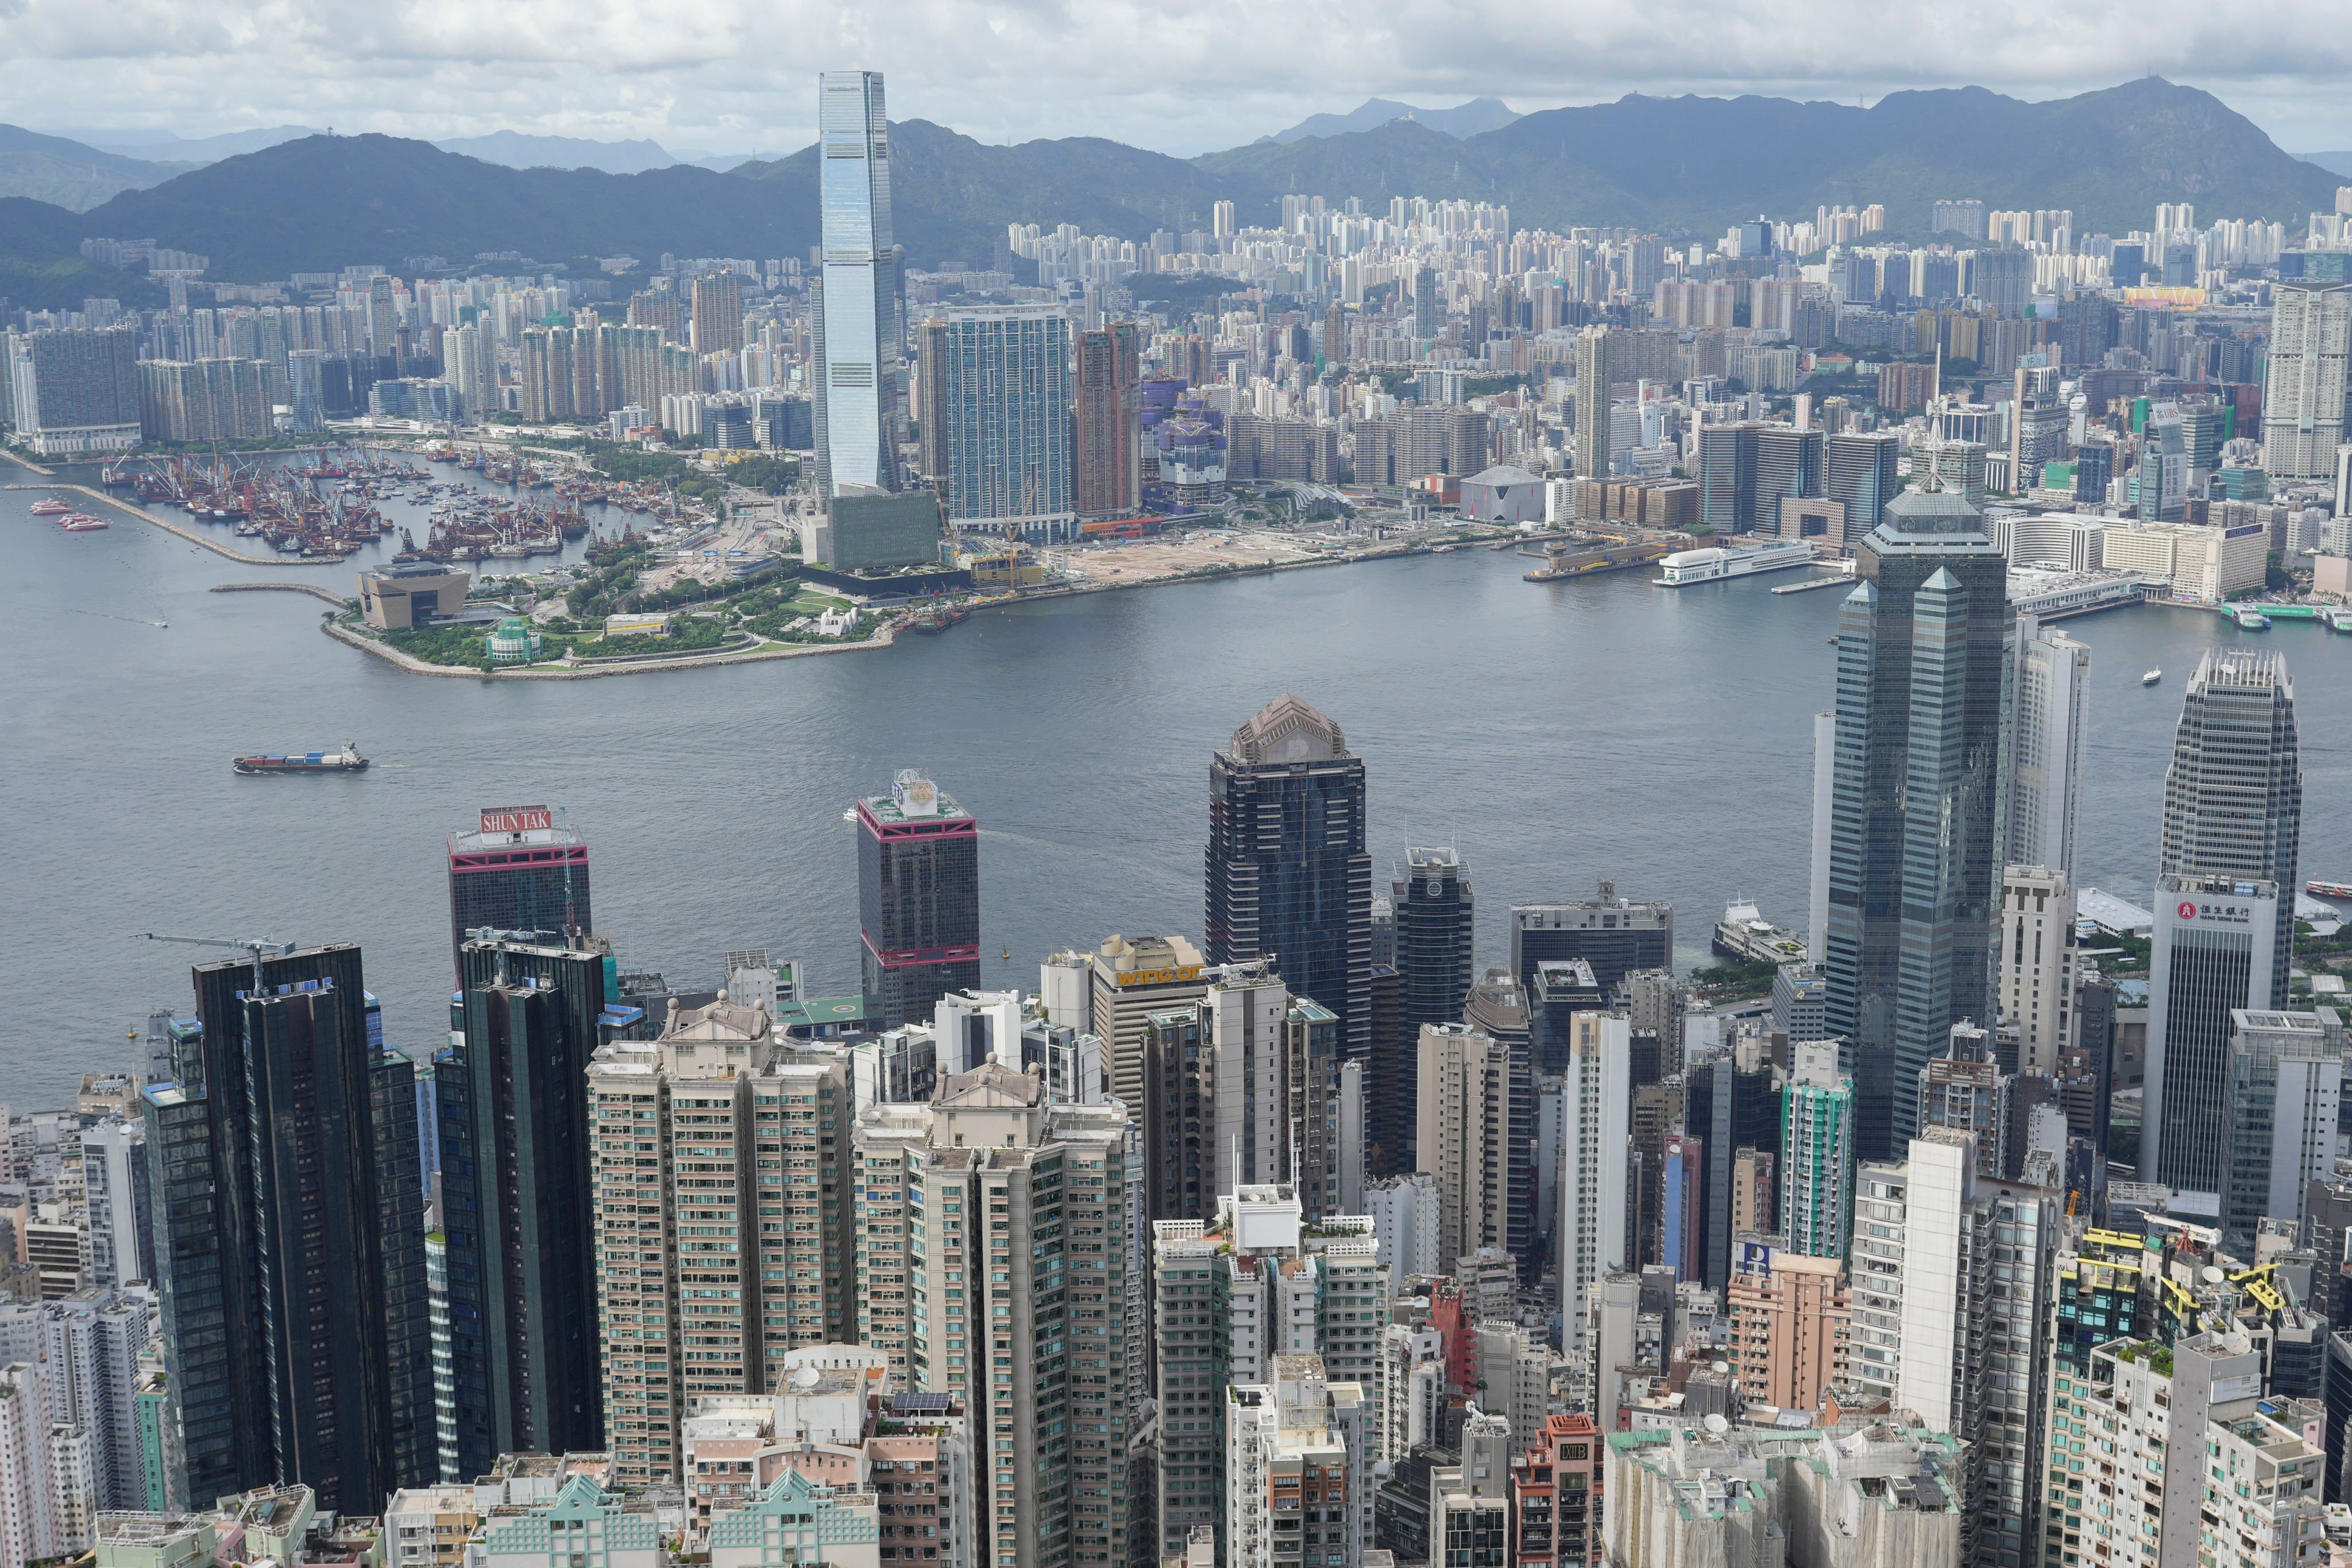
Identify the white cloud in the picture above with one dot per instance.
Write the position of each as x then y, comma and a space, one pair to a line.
1180, 75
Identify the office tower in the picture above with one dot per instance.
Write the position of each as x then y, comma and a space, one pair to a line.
1816, 1156
1264, 1086
288, 1237
2285, 1075
75, 390
1615, 935
1432, 908
1564, 987
1592, 402
1001, 389
1108, 454
1799, 996
517, 1152
1595, 1105
1731, 1104
114, 1187
722, 1215
520, 869
1975, 1288
1789, 1313
1461, 1134
1131, 979
2233, 790
2232, 811
1288, 877
1298, 1436
1921, 671
1178, 1093
2049, 721
718, 313
2036, 966
1747, 469
1862, 473
919, 900
860, 337
1042, 1369
1682, 1173
2303, 400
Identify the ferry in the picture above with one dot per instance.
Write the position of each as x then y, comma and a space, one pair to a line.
1714, 563
347, 761
2328, 890
52, 506
2253, 621
81, 522
2151, 678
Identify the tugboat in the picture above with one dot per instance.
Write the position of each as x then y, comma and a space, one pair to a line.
347, 761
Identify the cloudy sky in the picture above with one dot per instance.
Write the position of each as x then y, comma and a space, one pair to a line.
1183, 76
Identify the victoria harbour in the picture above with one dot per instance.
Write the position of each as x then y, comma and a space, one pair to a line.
1557, 734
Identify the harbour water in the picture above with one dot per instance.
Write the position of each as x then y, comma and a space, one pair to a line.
1557, 734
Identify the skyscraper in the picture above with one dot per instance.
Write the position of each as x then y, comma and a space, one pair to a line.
518, 871
2036, 967
1002, 401
1863, 472
1432, 908
860, 335
2049, 719
2213, 952
287, 1238
1817, 1152
1109, 421
1463, 1136
513, 1104
1596, 1094
2303, 402
1914, 856
1030, 1334
718, 312
2233, 790
1615, 935
1747, 469
1288, 877
918, 901
1592, 402
74, 390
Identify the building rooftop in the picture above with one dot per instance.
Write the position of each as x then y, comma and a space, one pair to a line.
913, 797
1287, 730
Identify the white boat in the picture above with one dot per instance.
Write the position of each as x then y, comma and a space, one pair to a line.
2151, 678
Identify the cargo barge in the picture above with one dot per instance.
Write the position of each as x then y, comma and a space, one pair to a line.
347, 761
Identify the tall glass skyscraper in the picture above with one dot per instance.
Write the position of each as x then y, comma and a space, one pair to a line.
1288, 875
2233, 790
1002, 405
1915, 847
861, 340
918, 901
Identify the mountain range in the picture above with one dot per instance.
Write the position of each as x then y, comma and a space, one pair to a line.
1686, 167
1471, 118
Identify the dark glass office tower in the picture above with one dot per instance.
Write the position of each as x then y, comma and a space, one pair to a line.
516, 1197
518, 870
2233, 790
1616, 936
1864, 472
1729, 1110
1431, 910
297, 1339
1915, 881
1288, 877
918, 901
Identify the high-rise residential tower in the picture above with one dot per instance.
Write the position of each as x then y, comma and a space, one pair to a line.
2303, 402
1817, 1161
918, 901
1915, 856
1001, 398
1592, 402
1288, 873
1109, 421
718, 312
860, 335
520, 869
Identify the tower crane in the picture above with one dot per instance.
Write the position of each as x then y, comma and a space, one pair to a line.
261, 947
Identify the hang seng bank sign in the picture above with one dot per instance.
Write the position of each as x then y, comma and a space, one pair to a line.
2224, 914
